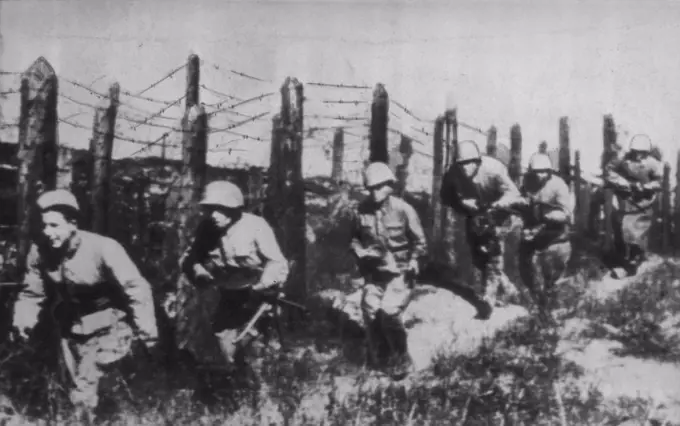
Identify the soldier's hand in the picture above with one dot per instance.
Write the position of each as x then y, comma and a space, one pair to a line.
471, 204
413, 267
201, 275
263, 286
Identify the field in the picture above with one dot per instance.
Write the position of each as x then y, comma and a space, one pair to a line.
612, 357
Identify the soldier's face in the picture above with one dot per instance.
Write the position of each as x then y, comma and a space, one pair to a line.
221, 219
57, 229
470, 169
542, 176
380, 192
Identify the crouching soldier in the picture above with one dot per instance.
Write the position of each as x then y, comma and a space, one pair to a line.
99, 301
388, 241
545, 247
479, 187
235, 252
636, 180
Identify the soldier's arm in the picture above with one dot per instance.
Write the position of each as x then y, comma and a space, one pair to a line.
511, 196
136, 287
32, 295
449, 195
415, 232
356, 246
655, 177
561, 208
192, 256
276, 266
614, 173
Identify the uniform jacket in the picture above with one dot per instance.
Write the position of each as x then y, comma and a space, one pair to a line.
553, 195
491, 184
93, 275
647, 170
394, 227
246, 254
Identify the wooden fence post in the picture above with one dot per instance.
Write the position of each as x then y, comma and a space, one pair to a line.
193, 81
379, 122
406, 151
65, 168
609, 141
666, 226
37, 147
515, 166
676, 208
101, 149
451, 119
564, 152
338, 155
435, 225
578, 195
291, 197
492, 142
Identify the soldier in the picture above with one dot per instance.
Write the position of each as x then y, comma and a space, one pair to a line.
636, 179
479, 187
99, 300
388, 241
237, 253
545, 246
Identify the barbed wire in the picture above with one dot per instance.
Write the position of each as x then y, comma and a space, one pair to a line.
240, 123
338, 85
243, 102
160, 112
238, 73
218, 93
167, 76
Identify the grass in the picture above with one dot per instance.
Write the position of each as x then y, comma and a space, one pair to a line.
517, 377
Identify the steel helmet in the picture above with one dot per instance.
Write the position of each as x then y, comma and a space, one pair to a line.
641, 143
467, 151
378, 173
222, 193
540, 162
57, 198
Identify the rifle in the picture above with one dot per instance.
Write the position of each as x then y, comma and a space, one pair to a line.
270, 300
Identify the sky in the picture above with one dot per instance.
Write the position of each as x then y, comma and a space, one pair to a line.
497, 62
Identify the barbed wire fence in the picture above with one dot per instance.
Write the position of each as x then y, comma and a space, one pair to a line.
346, 125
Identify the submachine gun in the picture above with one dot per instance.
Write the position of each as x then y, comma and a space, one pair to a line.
270, 301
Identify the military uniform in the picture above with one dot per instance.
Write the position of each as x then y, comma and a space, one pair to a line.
243, 256
389, 240
100, 303
545, 248
490, 187
637, 181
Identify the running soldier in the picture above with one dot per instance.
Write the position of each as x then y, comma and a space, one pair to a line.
388, 241
545, 246
98, 299
636, 180
237, 254
479, 187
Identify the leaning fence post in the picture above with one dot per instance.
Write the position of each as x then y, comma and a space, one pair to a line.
379, 122
37, 148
